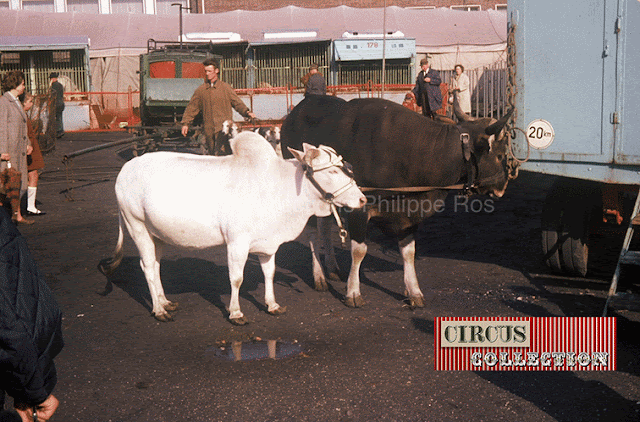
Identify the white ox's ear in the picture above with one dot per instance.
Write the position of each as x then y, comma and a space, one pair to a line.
306, 157
298, 155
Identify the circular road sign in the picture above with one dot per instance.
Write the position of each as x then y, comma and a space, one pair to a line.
540, 134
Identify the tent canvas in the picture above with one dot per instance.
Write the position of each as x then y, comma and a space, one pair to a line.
474, 39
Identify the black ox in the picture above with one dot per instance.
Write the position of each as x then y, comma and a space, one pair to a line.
393, 151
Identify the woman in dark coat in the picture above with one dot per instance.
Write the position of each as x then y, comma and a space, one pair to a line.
30, 328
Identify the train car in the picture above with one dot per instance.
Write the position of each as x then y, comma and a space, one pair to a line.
574, 83
169, 74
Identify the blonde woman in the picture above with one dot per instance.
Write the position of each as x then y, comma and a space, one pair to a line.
461, 88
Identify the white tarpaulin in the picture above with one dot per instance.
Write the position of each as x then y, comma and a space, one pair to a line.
474, 39
435, 31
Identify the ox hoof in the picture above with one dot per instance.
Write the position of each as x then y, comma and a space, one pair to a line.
170, 306
163, 317
279, 311
321, 285
333, 276
354, 302
415, 302
239, 321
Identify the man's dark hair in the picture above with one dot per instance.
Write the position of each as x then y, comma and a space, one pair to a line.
12, 80
211, 62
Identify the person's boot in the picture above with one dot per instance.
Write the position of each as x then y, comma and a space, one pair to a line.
31, 202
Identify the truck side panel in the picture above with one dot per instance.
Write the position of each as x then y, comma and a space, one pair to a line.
570, 73
628, 145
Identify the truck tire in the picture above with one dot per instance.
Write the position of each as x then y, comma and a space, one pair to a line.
551, 231
572, 210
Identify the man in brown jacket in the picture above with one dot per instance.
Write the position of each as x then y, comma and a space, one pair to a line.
214, 99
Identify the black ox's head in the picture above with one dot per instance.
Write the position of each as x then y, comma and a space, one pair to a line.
487, 148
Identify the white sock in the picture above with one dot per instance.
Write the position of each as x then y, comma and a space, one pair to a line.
31, 199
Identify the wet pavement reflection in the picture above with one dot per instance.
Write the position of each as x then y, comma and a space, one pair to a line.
256, 350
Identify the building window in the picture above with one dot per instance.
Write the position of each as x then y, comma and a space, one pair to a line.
126, 6
163, 7
61, 56
85, 6
39, 5
10, 58
471, 8
502, 7
4, 4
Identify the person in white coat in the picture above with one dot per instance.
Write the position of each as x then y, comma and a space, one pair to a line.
461, 89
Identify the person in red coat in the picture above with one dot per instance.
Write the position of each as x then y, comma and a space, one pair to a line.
35, 161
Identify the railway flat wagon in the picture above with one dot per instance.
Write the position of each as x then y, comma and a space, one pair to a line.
575, 82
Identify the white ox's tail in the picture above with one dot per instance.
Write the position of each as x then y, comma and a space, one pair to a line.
107, 266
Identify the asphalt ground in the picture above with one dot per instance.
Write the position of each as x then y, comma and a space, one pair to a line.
332, 363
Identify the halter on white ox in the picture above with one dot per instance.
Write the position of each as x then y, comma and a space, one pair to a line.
335, 160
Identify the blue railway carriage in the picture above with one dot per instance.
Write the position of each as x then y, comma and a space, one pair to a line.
575, 82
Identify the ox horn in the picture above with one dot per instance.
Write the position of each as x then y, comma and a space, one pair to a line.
461, 115
495, 128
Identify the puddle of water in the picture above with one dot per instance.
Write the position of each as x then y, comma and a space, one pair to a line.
256, 350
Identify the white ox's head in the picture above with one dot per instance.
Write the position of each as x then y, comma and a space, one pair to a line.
331, 178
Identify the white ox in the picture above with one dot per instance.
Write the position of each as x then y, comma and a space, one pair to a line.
252, 201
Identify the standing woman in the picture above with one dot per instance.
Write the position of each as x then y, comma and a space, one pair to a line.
14, 142
461, 88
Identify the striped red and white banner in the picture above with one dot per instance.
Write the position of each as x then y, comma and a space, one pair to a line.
525, 344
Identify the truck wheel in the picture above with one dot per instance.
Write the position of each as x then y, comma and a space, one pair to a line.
551, 230
570, 213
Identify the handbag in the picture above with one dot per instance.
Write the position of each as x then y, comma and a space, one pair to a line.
10, 181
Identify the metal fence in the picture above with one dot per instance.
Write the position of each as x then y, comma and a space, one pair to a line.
488, 86
396, 72
36, 65
287, 64
234, 64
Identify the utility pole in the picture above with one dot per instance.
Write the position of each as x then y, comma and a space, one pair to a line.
185, 8
384, 47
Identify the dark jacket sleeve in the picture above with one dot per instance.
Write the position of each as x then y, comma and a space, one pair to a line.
316, 85
30, 322
417, 91
58, 90
435, 77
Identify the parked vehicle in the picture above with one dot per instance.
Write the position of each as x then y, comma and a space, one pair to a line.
169, 74
572, 65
